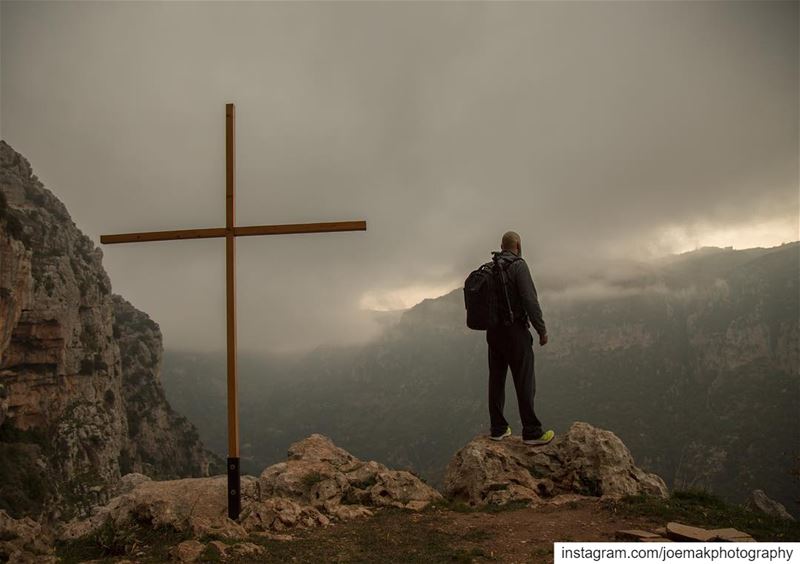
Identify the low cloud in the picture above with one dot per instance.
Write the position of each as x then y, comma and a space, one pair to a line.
599, 131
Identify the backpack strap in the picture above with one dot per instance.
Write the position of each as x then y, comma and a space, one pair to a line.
524, 313
504, 277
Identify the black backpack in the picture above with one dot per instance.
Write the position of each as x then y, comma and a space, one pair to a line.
486, 295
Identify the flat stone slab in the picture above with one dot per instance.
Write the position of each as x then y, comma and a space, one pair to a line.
681, 532
635, 535
687, 533
731, 535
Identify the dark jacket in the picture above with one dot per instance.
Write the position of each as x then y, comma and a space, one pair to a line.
525, 300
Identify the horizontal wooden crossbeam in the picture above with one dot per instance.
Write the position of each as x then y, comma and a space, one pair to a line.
162, 235
300, 228
246, 231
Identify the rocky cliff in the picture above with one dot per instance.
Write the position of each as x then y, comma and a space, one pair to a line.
155, 432
80, 399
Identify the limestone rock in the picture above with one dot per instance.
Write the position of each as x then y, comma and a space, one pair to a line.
129, 481
586, 461
24, 541
759, 501
218, 550
280, 514
247, 550
59, 365
318, 484
159, 443
75, 360
187, 551
195, 505
324, 476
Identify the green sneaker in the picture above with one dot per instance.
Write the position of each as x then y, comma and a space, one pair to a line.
506, 433
543, 440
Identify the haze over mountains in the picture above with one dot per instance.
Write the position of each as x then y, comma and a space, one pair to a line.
692, 360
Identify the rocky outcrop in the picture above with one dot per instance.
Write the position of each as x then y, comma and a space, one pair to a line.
64, 385
195, 505
318, 484
586, 461
160, 443
326, 477
24, 541
761, 502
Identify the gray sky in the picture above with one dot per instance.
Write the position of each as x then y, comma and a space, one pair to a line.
599, 131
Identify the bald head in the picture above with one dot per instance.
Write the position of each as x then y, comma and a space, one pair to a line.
511, 242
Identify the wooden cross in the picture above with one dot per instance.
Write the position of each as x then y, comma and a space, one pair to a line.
230, 232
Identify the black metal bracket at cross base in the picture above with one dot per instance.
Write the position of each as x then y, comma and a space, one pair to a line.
234, 489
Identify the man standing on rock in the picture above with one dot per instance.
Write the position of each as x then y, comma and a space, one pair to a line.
512, 346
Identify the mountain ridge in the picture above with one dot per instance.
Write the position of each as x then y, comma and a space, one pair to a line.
681, 364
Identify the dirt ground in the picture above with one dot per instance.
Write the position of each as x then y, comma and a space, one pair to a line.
443, 535
528, 534
446, 532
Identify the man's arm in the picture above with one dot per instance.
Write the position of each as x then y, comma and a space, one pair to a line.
529, 297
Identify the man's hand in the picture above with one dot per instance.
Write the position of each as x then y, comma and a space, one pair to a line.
543, 339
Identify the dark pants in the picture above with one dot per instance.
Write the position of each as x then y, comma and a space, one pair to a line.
512, 347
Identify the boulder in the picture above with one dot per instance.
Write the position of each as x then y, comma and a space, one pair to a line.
585, 461
129, 481
187, 551
759, 501
321, 475
217, 550
247, 550
195, 505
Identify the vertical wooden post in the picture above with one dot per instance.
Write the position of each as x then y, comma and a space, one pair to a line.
234, 479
